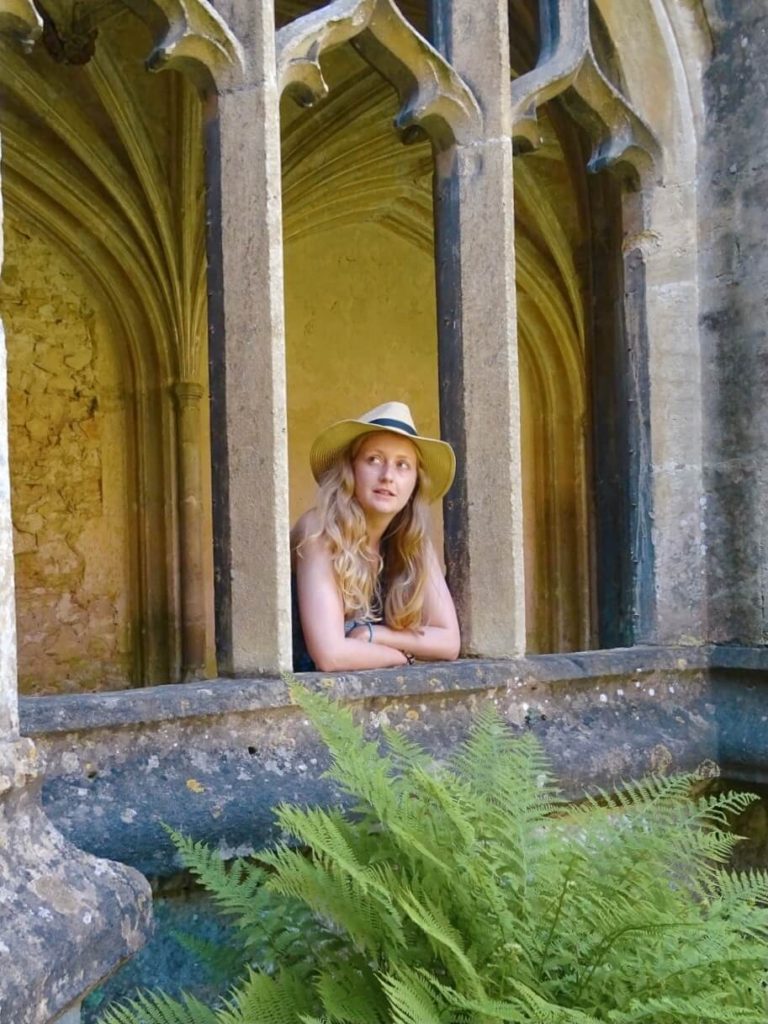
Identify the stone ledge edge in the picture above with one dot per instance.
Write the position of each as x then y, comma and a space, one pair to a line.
46, 715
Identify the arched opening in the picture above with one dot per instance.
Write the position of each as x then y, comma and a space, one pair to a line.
104, 302
595, 336
554, 302
359, 262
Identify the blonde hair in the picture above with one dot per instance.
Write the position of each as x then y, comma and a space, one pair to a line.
402, 563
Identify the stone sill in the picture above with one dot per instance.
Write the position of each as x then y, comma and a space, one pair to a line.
46, 715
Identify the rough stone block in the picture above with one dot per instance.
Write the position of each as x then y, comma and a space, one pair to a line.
68, 919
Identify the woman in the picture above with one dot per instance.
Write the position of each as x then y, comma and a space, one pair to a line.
369, 592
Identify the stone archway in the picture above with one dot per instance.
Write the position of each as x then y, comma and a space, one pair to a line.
104, 178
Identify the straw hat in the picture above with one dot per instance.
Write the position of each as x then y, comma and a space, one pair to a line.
437, 457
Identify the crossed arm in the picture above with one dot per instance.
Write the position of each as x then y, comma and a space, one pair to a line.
322, 620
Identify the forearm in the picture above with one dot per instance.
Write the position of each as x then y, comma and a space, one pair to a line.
430, 643
354, 653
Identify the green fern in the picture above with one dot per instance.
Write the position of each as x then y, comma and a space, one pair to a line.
470, 893
148, 1008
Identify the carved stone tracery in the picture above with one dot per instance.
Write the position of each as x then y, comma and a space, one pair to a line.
192, 38
197, 40
568, 68
435, 100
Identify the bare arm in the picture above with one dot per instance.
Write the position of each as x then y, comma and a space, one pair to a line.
438, 639
322, 617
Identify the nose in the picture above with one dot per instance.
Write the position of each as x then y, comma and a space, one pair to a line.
386, 470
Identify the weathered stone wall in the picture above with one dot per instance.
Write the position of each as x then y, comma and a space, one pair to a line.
214, 758
734, 280
67, 443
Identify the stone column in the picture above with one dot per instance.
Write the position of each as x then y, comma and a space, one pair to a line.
67, 918
188, 395
477, 336
250, 457
734, 335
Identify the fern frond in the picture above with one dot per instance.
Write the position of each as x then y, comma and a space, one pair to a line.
411, 1000
678, 1010
233, 887
369, 919
261, 999
330, 838
352, 995
446, 795
357, 765
442, 934
149, 1008
719, 809
405, 753
510, 772
733, 888
546, 1012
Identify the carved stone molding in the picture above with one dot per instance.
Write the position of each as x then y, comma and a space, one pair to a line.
568, 67
20, 19
192, 36
435, 100
197, 41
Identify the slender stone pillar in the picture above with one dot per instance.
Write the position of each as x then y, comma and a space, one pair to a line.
477, 332
734, 332
250, 470
188, 395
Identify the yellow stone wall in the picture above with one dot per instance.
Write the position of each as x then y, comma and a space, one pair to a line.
68, 475
360, 328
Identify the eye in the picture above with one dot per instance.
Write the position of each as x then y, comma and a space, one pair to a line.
374, 460
403, 464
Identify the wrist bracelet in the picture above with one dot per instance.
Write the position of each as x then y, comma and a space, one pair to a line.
409, 657
370, 631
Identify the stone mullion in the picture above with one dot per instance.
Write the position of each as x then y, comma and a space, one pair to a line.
248, 387
187, 395
477, 337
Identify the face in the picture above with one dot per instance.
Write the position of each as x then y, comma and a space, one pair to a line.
386, 470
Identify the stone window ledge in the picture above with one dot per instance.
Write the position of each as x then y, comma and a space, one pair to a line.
47, 715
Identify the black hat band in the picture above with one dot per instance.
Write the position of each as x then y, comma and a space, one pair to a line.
397, 424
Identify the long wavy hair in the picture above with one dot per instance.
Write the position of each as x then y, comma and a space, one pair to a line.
399, 572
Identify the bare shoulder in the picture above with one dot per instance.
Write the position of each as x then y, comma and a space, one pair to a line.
305, 534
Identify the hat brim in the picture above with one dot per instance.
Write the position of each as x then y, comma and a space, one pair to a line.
437, 457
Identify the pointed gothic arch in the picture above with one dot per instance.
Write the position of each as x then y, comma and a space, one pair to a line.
125, 204
642, 130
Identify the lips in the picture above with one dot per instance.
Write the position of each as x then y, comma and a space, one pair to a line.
384, 493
